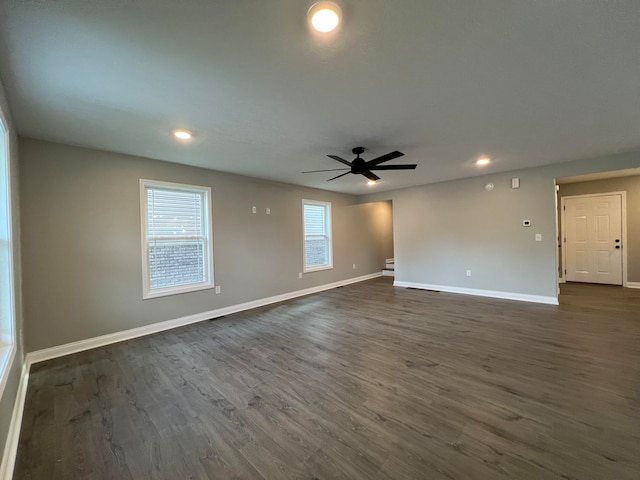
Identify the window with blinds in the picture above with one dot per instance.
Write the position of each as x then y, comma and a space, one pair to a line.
177, 247
317, 235
7, 279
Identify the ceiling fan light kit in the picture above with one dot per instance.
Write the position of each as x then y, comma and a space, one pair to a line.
361, 167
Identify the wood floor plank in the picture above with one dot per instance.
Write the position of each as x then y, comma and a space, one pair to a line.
366, 381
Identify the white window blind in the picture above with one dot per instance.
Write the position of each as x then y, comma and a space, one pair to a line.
317, 235
177, 241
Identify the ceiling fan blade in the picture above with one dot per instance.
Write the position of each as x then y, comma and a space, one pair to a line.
406, 166
328, 170
341, 160
384, 158
341, 175
371, 176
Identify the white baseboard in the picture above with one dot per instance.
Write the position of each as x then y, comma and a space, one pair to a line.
481, 293
561, 280
88, 344
633, 284
13, 437
388, 273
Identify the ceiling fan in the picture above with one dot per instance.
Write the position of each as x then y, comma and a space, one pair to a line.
361, 167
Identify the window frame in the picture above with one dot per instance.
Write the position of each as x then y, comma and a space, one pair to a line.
147, 292
329, 235
8, 325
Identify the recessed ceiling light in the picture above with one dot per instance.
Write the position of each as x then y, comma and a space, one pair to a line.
371, 182
182, 134
482, 161
325, 16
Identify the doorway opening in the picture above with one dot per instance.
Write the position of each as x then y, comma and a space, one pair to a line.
389, 269
373, 250
598, 224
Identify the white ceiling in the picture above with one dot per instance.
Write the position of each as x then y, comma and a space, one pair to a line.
526, 82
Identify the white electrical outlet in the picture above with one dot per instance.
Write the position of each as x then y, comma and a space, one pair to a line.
468, 273
217, 289
254, 209
538, 237
300, 275
268, 211
354, 266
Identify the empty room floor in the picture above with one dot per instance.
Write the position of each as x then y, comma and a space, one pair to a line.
361, 382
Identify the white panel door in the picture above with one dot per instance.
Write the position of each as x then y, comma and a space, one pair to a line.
593, 239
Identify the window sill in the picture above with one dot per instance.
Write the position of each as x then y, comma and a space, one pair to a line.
175, 291
318, 269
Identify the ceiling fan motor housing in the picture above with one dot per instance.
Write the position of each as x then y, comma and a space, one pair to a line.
358, 165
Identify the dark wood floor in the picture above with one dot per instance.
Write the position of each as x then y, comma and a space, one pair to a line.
362, 382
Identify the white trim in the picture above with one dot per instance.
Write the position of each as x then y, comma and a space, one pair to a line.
561, 280
82, 345
13, 437
8, 330
317, 269
7, 354
563, 236
559, 271
329, 235
623, 200
147, 292
633, 285
523, 297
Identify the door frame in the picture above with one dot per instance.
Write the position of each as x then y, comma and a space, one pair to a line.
624, 230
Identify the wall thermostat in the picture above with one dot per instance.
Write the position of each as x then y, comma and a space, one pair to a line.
526, 223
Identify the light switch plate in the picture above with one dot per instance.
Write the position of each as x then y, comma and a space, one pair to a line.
515, 182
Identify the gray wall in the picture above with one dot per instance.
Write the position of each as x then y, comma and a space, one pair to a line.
441, 230
631, 185
81, 241
11, 387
